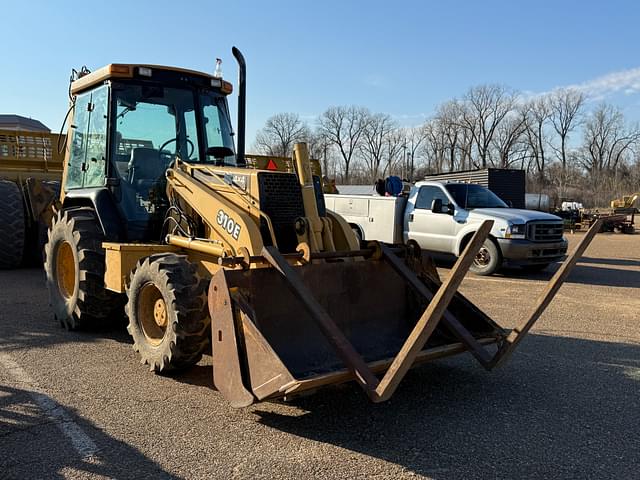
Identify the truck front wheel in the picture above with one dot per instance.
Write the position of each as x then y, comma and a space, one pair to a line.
488, 259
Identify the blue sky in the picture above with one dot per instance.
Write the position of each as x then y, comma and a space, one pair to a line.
402, 57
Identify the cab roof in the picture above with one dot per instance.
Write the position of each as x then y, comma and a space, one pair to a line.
128, 70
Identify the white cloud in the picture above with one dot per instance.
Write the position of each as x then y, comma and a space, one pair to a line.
599, 88
409, 116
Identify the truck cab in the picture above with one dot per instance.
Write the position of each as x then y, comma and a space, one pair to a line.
442, 217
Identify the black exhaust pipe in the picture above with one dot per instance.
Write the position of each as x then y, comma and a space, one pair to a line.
242, 105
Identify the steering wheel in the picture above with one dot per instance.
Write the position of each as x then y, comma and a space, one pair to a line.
175, 139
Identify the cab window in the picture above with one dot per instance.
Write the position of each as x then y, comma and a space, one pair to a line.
87, 158
427, 194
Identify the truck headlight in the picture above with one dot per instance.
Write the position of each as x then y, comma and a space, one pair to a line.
516, 230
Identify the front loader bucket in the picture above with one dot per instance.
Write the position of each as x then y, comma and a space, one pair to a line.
280, 331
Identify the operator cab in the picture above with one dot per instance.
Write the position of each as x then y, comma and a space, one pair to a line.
132, 122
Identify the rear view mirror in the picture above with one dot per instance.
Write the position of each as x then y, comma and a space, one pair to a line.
219, 152
436, 205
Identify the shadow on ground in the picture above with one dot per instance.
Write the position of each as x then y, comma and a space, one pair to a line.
32, 445
588, 271
585, 273
564, 408
32, 323
624, 262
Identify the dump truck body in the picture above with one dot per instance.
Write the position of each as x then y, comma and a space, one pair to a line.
30, 174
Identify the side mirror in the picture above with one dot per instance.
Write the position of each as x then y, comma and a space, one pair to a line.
436, 205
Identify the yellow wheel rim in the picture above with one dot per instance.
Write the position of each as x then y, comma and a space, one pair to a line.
66, 270
160, 313
152, 314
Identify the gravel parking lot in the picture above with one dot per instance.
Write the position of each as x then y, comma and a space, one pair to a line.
79, 405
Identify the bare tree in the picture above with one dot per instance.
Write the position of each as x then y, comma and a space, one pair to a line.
565, 106
375, 145
396, 147
607, 140
537, 114
508, 139
452, 134
320, 148
414, 138
343, 126
434, 146
482, 110
279, 134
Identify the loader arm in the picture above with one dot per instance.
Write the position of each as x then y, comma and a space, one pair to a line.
234, 224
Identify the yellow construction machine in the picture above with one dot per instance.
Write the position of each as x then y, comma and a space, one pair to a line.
626, 202
216, 251
30, 173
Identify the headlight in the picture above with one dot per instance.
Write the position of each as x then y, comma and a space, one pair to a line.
516, 230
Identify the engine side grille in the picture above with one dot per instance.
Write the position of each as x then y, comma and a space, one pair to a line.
544, 231
281, 200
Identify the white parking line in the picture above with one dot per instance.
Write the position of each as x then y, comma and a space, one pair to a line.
79, 439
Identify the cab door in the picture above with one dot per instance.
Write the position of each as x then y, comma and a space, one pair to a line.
433, 231
87, 160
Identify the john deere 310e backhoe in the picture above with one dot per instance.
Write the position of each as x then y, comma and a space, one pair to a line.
219, 252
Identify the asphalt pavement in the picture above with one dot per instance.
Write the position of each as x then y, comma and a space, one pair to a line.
79, 404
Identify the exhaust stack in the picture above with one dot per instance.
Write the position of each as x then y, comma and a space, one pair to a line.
242, 105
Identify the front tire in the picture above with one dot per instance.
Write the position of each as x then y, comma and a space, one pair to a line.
74, 267
167, 310
488, 259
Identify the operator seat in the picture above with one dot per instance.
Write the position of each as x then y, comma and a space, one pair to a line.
145, 169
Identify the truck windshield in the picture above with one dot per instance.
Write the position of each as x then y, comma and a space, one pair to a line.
469, 195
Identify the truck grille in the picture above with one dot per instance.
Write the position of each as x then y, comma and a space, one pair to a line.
544, 231
281, 200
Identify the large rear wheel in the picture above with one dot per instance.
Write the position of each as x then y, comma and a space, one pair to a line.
74, 267
12, 225
167, 310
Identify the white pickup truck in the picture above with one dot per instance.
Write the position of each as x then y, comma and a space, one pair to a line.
442, 217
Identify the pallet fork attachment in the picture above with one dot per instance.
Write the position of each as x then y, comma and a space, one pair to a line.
270, 349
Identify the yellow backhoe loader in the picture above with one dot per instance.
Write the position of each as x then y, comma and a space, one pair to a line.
220, 252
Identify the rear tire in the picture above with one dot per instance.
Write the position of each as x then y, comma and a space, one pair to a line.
12, 225
167, 310
488, 260
74, 267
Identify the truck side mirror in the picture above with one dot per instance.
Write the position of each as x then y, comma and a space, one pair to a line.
451, 209
436, 205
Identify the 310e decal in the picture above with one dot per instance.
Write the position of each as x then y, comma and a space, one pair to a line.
229, 224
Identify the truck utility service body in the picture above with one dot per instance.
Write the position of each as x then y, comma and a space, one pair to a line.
441, 217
